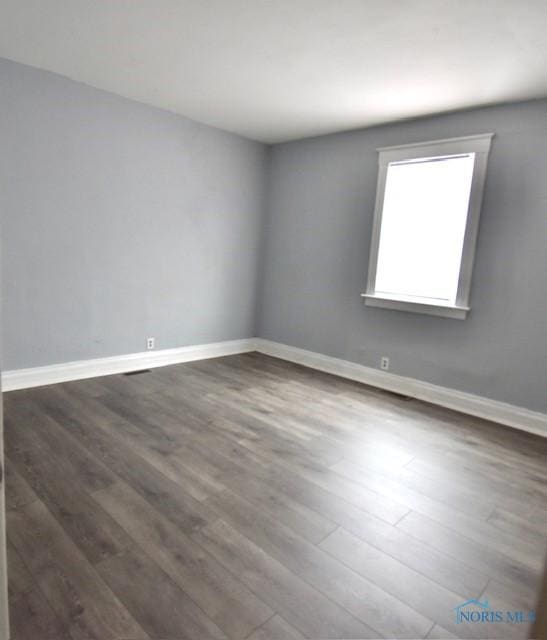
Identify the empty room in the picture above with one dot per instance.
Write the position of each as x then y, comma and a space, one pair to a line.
273, 319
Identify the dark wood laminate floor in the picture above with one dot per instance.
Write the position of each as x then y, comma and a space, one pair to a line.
246, 497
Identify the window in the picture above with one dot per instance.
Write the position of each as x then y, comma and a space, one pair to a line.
425, 225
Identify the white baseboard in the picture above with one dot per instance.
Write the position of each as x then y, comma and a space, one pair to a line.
507, 414
52, 374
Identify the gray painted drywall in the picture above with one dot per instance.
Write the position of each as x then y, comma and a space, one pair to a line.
318, 228
120, 221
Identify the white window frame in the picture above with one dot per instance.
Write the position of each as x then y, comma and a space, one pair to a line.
480, 146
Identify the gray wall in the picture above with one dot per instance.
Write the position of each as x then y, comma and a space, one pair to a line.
118, 222
318, 233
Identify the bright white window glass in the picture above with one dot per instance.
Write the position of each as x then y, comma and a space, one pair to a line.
424, 218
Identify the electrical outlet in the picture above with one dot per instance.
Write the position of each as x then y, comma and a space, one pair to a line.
150, 343
384, 363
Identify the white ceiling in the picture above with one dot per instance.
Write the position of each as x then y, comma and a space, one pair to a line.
276, 70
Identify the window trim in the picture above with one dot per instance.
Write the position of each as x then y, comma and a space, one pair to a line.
480, 146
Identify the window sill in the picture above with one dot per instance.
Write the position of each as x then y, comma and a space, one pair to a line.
444, 311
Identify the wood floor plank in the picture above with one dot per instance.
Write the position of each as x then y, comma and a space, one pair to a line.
350, 491
222, 452
258, 413
70, 407
454, 574
276, 629
158, 604
481, 556
400, 492
44, 439
132, 385
153, 443
31, 617
474, 528
141, 424
149, 418
311, 451
192, 477
252, 420
282, 508
94, 532
468, 502
20, 579
81, 600
305, 608
18, 491
516, 497
526, 529
219, 594
92, 387
438, 633
364, 599
170, 497
419, 592
509, 596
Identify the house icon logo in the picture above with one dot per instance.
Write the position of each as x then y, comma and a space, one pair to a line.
473, 610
